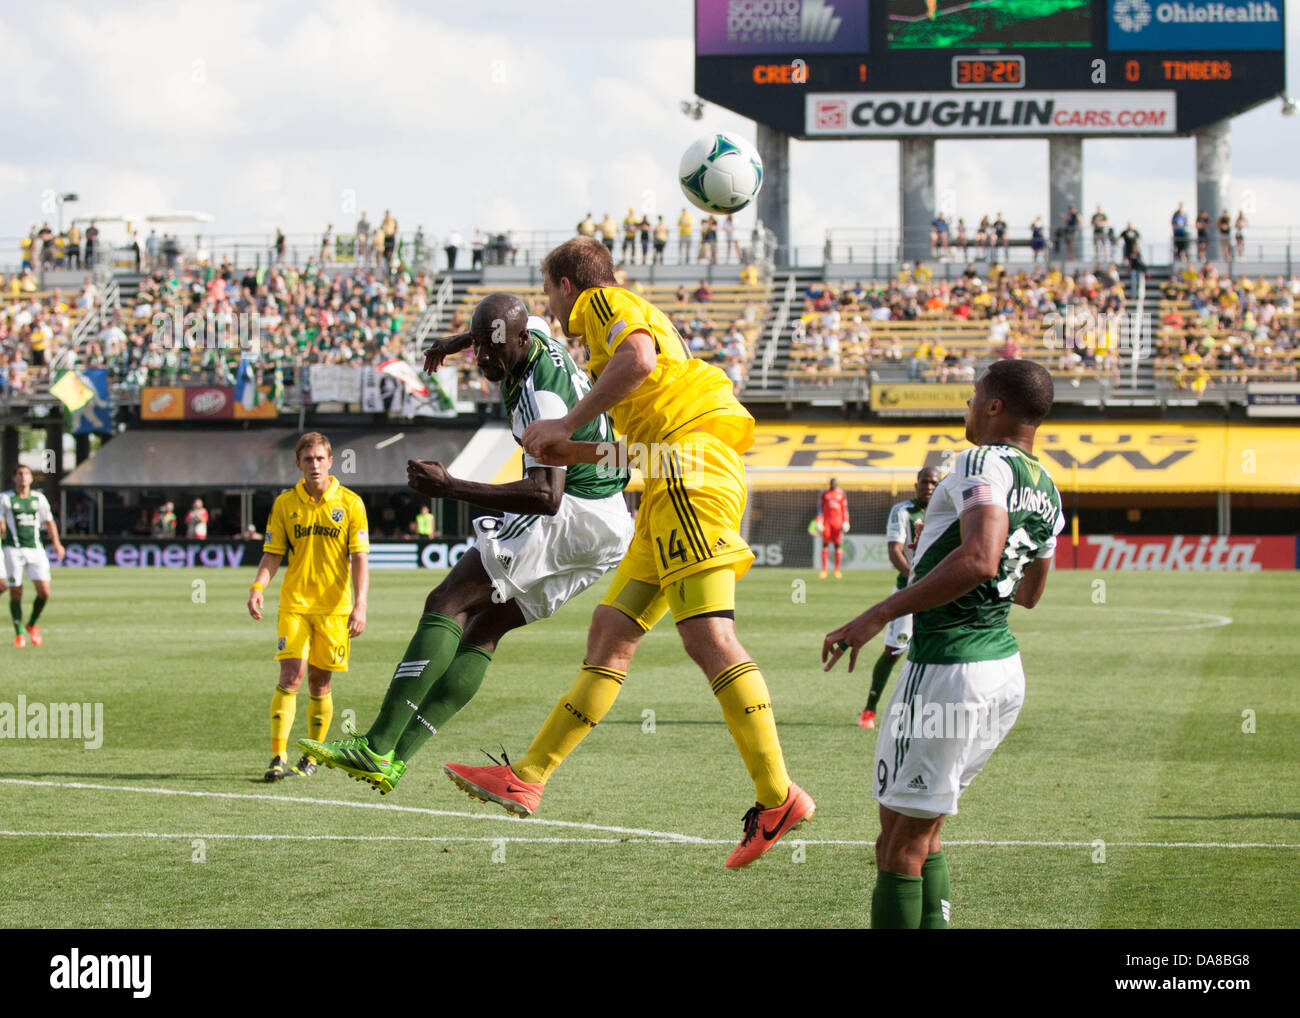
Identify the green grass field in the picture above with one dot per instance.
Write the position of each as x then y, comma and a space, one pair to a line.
1132, 735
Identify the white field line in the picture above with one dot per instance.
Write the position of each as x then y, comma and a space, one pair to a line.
968, 843
389, 807
630, 833
1208, 621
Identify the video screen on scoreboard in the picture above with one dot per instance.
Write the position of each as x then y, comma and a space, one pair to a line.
977, 24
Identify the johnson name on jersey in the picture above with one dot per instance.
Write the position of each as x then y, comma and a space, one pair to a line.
974, 626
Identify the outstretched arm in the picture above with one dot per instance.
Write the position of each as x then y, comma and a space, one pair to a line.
631, 364
540, 492
976, 559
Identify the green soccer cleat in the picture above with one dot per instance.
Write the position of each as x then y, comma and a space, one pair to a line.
280, 769
355, 757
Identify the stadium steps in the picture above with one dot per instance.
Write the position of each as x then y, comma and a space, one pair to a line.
774, 389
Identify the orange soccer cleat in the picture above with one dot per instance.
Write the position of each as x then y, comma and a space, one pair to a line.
839, 575
20, 640
822, 575
867, 719
763, 827
34, 631
499, 784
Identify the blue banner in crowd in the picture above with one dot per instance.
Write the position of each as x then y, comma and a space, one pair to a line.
96, 417
1195, 24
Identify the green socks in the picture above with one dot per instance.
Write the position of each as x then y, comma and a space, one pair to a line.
935, 892
16, 611
427, 656
903, 902
452, 690
37, 605
879, 676
896, 902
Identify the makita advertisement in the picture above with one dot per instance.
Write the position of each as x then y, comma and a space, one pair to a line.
799, 27
1195, 25
891, 114
1202, 553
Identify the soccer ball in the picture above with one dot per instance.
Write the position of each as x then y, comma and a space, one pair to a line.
721, 173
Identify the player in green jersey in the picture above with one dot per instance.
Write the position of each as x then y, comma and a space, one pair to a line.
23, 514
563, 528
988, 540
902, 531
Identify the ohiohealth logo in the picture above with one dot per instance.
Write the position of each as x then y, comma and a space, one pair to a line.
1135, 15
1132, 15
781, 21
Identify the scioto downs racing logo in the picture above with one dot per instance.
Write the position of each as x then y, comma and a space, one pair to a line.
1132, 15
832, 113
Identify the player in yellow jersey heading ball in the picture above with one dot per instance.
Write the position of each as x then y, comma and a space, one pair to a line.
682, 424
323, 526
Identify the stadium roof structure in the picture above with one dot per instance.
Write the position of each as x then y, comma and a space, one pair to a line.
262, 458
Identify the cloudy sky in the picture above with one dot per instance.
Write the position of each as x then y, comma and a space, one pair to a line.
505, 114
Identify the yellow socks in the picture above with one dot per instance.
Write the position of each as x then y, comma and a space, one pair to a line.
283, 706
576, 714
320, 712
747, 708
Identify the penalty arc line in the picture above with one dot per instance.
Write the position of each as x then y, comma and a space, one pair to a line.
388, 807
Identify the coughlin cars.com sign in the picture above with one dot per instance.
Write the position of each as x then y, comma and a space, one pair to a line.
889, 114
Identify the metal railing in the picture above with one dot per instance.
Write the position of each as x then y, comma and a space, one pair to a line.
431, 320
779, 322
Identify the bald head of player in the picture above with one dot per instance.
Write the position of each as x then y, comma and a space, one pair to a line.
927, 479
499, 326
1011, 399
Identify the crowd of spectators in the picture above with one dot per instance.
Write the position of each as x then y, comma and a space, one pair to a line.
637, 241
283, 316
1215, 329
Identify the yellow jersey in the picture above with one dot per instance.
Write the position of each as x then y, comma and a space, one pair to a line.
322, 535
681, 394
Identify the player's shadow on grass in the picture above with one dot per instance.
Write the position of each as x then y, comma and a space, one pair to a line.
1234, 816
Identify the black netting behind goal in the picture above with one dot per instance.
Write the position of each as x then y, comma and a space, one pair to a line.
780, 517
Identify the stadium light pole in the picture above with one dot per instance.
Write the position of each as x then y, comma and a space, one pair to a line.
58, 203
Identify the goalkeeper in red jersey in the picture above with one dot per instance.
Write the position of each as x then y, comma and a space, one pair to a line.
833, 509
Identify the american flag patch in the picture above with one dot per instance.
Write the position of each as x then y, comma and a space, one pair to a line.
976, 494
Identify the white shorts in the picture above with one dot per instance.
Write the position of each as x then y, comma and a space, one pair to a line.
898, 632
32, 560
942, 725
540, 562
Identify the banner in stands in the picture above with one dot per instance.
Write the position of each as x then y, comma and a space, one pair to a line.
902, 397
1151, 457
1203, 553
942, 114
1273, 399
83, 553
202, 403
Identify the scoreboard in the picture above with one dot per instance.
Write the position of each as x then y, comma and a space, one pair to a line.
988, 68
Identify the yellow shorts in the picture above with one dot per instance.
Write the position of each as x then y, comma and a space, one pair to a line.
322, 639
689, 518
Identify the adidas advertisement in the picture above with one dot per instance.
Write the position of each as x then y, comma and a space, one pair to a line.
1195, 25
801, 27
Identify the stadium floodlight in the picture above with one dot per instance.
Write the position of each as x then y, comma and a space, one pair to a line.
693, 108
1288, 106
59, 203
